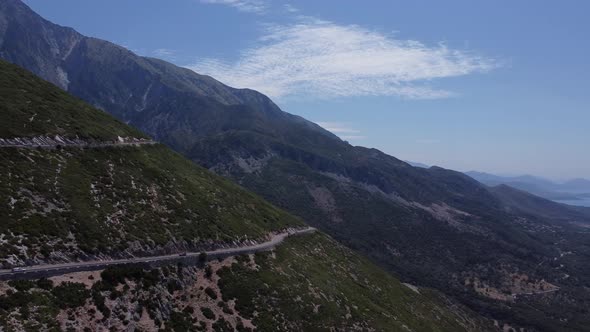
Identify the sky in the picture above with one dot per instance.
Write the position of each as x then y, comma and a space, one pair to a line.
495, 86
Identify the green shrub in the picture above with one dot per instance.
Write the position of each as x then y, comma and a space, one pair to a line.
174, 285
45, 284
241, 328
189, 310
115, 275
70, 295
211, 293
21, 285
151, 278
227, 310
180, 321
244, 259
203, 257
115, 294
208, 272
208, 313
221, 325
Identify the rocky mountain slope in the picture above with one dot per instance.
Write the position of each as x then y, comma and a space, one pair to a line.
310, 283
66, 202
431, 227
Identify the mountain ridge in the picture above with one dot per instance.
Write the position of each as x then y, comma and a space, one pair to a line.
572, 190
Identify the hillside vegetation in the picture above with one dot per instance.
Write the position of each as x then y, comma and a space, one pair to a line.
310, 283
431, 227
67, 203
71, 203
33, 107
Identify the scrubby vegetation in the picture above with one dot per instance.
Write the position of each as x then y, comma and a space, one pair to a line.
35, 305
70, 295
313, 283
107, 198
71, 202
310, 283
33, 107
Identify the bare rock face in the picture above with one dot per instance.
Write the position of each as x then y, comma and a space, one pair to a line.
52, 44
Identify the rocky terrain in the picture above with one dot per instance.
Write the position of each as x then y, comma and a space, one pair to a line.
309, 283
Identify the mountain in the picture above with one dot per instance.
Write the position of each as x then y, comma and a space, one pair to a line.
417, 164
577, 185
104, 190
572, 190
526, 203
525, 182
431, 227
64, 204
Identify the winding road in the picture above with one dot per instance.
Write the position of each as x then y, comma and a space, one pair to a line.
38, 271
47, 142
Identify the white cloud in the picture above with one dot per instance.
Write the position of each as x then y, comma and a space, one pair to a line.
290, 8
164, 52
249, 6
337, 127
352, 137
342, 130
322, 59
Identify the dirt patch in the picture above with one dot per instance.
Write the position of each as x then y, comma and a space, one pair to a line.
325, 201
86, 278
145, 323
512, 286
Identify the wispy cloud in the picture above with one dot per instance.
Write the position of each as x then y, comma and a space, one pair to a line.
164, 52
290, 8
337, 127
427, 141
314, 58
352, 137
342, 130
249, 6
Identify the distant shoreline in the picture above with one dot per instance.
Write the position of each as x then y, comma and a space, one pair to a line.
582, 201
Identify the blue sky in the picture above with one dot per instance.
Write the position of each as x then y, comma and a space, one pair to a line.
497, 86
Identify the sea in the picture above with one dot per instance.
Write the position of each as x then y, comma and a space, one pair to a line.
579, 202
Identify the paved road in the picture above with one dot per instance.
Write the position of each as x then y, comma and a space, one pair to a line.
54, 142
536, 293
56, 269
